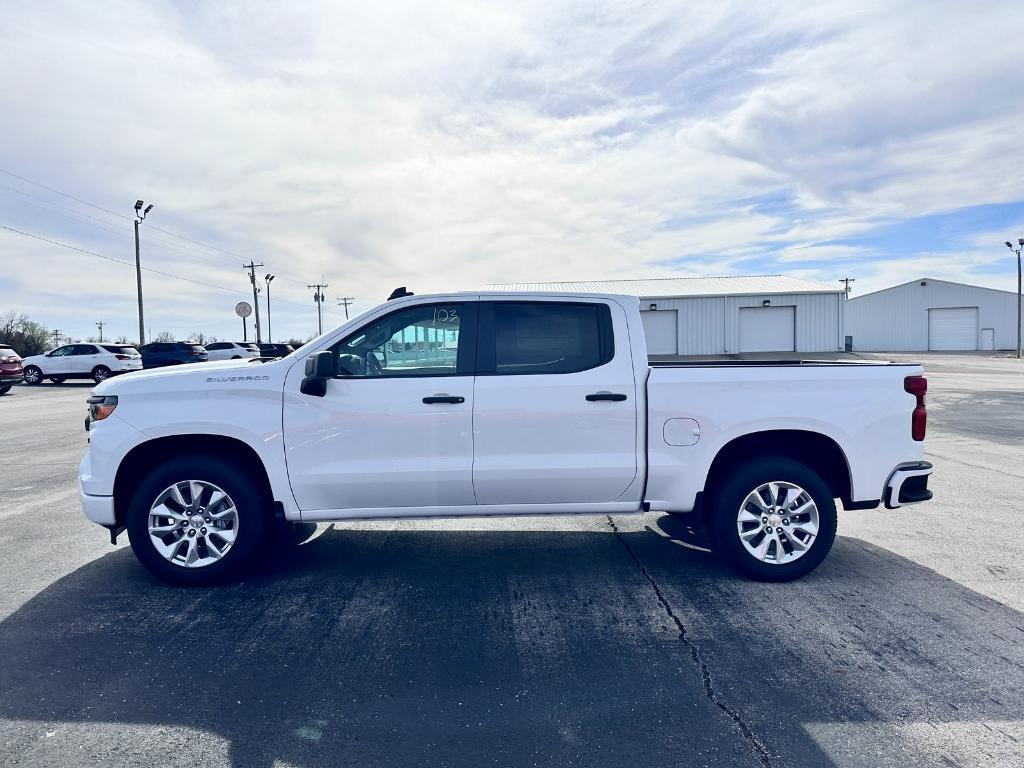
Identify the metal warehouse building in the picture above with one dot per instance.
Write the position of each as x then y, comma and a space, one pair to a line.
724, 315
933, 315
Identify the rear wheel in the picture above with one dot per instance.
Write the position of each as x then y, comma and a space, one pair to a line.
198, 520
100, 374
774, 519
5, 389
33, 375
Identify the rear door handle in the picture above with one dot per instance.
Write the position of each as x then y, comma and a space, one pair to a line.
613, 396
454, 399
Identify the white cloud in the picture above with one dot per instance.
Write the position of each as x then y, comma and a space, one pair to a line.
447, 147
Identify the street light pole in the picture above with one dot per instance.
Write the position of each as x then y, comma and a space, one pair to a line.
251, 266
1017, 250
140, 216
269, 278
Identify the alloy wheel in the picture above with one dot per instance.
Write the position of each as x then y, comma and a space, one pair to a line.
193, 523
777, 522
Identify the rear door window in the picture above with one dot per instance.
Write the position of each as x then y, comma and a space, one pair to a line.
544, 337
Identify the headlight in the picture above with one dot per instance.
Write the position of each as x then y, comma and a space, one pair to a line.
101, 406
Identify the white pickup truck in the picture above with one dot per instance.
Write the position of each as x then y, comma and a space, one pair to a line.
482, 404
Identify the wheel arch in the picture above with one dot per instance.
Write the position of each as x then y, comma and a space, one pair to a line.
145, 456
818, 451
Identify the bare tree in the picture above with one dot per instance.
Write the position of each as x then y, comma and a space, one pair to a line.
25, 336
198, 337
163, 336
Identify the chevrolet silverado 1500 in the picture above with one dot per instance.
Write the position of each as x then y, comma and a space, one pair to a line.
484, 404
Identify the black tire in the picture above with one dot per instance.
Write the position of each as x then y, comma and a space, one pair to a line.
33, 375
253, 509
733, 490
100, 374
58, 379
5, 389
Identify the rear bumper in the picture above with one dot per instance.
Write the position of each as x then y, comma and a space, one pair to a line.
908, 484
11, 378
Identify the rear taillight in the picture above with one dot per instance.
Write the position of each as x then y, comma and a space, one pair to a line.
917, 386
123, 357
193, 353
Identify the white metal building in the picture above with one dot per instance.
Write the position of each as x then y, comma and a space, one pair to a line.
725, 315
933, 315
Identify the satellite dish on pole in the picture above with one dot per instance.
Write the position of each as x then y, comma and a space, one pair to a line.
243, 309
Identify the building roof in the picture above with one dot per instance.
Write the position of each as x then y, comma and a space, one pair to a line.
934, 280
681, 287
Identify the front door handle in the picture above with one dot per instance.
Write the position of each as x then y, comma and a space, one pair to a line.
613, 396
454, 399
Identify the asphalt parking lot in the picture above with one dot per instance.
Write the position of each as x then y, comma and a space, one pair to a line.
533, 641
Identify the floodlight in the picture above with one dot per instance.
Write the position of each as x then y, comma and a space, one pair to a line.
148, 209
138, 205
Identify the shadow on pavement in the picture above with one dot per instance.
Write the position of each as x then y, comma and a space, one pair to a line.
472, 647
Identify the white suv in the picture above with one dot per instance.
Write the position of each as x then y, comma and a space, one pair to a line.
81, 361
231, 350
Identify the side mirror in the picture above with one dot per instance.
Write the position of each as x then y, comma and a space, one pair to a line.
319, 368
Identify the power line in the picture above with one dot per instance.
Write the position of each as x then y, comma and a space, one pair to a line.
318, 297
122, 216
346, 302
65, 194
132, 264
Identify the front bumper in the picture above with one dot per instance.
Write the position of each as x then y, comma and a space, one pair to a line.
99, 509
908, 484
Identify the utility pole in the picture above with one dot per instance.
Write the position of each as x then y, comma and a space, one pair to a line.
345, 301
1017, 250
56, 337
846, 281
319, 297
140, 216
251, 266
100, 325
269, 278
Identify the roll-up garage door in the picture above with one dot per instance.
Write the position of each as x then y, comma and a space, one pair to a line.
767, 329
953, 329
660, 328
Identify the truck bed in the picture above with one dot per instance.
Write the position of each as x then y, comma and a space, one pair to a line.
770, 363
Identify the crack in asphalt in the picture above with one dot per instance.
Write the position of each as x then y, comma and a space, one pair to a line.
764, 756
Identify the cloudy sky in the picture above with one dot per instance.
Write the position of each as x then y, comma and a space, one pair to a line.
446, 145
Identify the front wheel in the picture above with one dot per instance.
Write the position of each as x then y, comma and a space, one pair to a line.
774, 519
33, 375
5, 389
197, 521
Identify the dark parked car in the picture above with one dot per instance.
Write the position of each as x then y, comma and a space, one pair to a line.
10, 369
161, 353
275, 350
